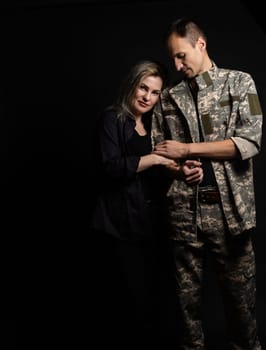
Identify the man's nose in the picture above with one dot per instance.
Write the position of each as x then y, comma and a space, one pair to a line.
178, 64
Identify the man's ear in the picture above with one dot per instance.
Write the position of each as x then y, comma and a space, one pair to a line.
202, 43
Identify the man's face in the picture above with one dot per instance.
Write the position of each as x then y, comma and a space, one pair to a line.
187, 58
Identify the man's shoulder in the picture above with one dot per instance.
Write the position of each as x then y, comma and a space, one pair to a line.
233, 73
173, 86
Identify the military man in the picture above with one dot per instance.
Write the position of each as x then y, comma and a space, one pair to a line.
212, 115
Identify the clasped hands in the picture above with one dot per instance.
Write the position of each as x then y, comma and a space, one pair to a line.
189, 170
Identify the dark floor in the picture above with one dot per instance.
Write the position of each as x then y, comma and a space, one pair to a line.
109, 331
82, 305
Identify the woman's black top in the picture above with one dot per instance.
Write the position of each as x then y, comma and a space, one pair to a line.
141, 145
125, 200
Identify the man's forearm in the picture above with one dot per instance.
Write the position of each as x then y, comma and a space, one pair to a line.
214, 150
225, 149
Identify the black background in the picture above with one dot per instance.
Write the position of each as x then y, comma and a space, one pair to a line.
8, 334
62, 62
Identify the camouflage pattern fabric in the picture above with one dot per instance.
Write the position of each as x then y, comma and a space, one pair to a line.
234, 262
229, 108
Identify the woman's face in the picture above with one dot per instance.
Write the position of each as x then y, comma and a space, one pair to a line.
146, 95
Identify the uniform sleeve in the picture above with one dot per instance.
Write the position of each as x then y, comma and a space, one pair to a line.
248, 133
157, 130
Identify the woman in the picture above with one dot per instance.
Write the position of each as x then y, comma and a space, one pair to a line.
126, 208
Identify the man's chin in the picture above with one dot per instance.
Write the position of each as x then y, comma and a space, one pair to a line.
188, 74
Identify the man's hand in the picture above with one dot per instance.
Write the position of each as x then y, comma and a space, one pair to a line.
193, 173
190, 172
172, 149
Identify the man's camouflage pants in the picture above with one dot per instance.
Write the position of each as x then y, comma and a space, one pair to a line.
234, 263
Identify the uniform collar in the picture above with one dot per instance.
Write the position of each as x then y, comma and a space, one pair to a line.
206, 79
